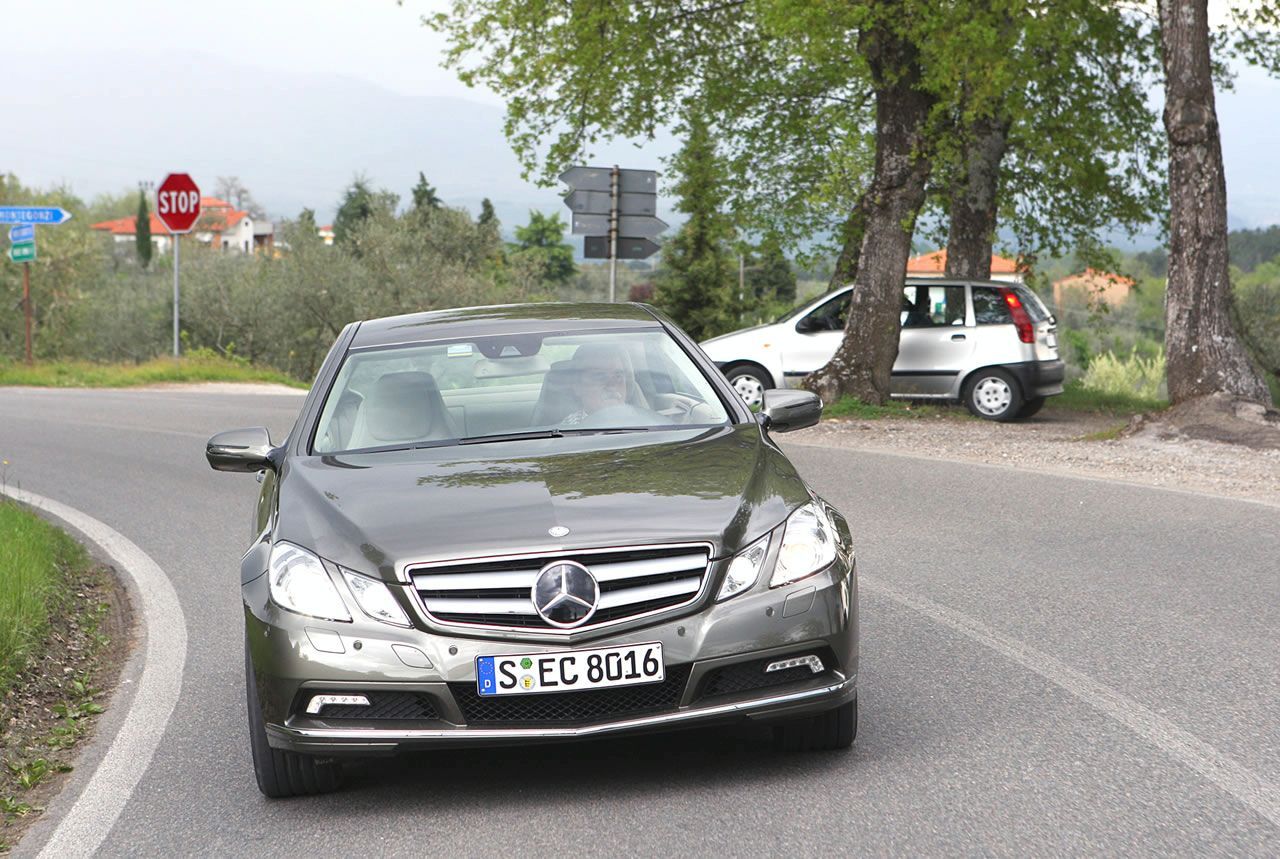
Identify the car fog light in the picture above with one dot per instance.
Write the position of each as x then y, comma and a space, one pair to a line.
375, 599
319, 702
744, 569
813, 663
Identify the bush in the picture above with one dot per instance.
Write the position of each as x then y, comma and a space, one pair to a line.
1143, 377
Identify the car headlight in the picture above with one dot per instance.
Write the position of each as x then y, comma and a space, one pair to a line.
744, 569
299, 582
375, 599
808, 545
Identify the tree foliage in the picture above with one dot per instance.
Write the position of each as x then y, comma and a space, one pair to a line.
541, 242
424, 195
359, 203
142, 231
699, 270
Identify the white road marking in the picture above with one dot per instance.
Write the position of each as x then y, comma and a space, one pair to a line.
86, 824
1242, 783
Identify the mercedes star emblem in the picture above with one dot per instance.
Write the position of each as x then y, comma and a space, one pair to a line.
566, 594
558, 531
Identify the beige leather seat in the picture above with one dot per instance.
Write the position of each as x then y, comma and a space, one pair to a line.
401, 408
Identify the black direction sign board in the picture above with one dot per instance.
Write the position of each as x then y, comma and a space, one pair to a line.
597, 247
598, 179
630, 225
598, 202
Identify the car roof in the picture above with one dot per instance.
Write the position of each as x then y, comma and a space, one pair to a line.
464, 322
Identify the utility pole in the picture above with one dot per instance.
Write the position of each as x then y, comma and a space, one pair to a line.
613, 233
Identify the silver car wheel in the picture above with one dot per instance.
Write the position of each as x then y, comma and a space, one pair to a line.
750, 389
992, 395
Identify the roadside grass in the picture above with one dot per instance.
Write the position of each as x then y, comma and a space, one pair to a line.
85, 374
35, 559
1077, 398
852, 407
50, 640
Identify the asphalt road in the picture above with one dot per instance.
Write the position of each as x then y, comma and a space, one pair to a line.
1050, 666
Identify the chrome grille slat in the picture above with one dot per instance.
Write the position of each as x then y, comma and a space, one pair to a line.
473, 605
474, 581
649, 567
495, 593
649, 592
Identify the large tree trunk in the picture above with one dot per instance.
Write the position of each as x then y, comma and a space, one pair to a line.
1205, 356
862, 365
973, 201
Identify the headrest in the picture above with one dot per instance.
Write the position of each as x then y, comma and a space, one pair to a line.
401, 407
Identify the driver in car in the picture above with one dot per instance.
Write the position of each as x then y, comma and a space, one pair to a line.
602, 379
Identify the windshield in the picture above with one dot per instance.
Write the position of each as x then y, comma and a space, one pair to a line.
514, 386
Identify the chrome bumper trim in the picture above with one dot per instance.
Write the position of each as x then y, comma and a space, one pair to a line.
464, 733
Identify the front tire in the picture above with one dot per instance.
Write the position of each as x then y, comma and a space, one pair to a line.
830, 731
993, 395
282, 774
750, 381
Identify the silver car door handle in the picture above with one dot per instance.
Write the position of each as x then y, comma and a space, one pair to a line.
956, 338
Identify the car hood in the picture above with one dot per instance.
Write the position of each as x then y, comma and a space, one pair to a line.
733, 335
376, 512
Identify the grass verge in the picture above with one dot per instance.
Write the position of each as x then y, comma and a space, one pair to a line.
1077, 398
63, 635
34, 557
85, 374
852, 407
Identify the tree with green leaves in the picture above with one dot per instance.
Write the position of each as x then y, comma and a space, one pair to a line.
699, 270
542, 242
487, 215
142, 231
424, 195
359, 203
769, 276
832, 117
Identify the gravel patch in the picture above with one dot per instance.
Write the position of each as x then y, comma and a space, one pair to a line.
1066, 443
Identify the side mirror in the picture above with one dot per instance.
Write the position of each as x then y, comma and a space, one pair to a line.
243, 451
805, 325
783, 411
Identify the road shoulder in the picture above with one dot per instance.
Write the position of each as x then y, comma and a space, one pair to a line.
1066, 444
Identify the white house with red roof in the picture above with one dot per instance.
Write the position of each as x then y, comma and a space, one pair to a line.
221, 225
934, 264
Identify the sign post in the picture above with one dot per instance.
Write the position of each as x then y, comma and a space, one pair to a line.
614, 209
22, 248
178, 208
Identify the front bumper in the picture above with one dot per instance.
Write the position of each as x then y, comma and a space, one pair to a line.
820, 618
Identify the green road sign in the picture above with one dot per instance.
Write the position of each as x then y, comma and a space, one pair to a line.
25, 252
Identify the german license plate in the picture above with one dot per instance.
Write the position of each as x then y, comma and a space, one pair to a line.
570, 670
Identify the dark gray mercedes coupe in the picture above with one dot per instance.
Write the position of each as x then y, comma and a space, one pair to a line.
504, 525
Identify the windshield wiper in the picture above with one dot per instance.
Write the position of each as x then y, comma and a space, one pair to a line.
511, 436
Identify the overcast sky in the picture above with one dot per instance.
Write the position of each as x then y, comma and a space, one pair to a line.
259, 82
376, 40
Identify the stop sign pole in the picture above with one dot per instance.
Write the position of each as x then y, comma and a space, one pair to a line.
178, 208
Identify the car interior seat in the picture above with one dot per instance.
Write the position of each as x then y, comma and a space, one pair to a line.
402, 407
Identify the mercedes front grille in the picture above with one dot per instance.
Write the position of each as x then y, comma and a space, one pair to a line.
497, 592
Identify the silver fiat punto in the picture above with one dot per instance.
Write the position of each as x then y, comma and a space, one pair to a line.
991, 345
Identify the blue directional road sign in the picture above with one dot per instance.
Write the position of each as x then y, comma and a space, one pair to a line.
22, 233
33, 215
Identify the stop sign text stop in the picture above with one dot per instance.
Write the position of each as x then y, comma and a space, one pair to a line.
178, 202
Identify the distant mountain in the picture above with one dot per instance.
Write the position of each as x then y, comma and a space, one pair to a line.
294, 140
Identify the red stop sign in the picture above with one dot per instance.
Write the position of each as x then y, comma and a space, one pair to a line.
178, 202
